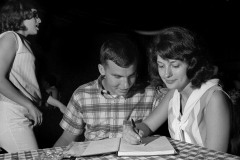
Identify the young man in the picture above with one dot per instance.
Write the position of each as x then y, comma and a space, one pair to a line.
101, 107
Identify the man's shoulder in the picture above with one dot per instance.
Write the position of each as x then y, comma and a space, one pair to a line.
150, 88
144, 89
90, 87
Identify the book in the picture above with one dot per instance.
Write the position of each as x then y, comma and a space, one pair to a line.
153, 145
91, 148
150, 146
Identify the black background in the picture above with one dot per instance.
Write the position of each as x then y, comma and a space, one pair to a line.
71, 31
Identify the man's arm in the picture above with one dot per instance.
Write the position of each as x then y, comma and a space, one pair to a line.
65, 139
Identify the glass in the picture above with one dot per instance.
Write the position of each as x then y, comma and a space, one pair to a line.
35, 14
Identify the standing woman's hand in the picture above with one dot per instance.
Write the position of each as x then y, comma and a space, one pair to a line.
35, 115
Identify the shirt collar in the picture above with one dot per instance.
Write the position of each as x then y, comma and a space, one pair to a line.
106, 93
102, 90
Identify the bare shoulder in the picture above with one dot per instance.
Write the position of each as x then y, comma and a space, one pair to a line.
8, 40
8, 36
219, 96
219, 100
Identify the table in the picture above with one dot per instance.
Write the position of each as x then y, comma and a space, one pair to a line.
186, 151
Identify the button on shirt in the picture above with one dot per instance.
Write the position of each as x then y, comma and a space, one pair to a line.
102, 114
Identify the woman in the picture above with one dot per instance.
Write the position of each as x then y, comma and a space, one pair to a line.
197, 109
19, 89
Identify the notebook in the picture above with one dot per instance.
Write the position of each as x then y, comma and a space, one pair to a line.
154, 145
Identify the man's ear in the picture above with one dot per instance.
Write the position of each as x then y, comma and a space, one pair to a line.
101, 69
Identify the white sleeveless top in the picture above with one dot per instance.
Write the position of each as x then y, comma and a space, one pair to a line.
22, 73
190, 126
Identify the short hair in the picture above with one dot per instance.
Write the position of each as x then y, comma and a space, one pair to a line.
119, 49
14, 12
180, 44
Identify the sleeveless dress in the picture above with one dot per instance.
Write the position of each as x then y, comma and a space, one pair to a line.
191, 126
15, 129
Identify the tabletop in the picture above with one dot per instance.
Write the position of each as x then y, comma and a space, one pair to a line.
185, 151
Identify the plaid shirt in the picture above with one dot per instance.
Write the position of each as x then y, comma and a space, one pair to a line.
102, 114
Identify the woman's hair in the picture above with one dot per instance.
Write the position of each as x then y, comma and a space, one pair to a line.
14, 12
180, 44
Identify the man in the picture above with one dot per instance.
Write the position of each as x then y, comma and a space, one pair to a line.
101, 107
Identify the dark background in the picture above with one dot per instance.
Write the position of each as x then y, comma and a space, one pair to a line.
71, 33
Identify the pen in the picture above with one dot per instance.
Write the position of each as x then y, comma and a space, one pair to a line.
134, 129
133, 123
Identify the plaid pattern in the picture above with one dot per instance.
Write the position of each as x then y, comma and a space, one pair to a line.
102, 114
186, 151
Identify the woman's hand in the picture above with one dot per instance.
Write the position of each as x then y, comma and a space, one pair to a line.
35, 115
132, 136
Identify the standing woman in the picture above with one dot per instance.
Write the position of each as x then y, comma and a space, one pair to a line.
19, 89
197, 109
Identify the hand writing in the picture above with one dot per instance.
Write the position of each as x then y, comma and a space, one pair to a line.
130, 135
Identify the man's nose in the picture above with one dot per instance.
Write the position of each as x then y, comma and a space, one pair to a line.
126, 83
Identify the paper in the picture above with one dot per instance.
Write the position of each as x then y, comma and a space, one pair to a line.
102, 147
90, 148
150, 146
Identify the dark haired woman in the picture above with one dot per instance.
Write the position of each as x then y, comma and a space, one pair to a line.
197, 109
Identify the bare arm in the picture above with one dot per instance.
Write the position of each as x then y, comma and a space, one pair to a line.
157, 117
8, 48
160, 114
218, 122
65, 139
54, 102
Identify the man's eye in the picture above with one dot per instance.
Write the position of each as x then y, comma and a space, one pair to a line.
117, 77
133, 75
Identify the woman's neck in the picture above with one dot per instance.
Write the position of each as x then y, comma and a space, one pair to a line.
22, 33
187, 91
184, 95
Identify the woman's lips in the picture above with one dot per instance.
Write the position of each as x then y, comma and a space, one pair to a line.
170, 81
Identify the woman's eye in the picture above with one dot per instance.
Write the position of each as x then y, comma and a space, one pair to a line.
175, 65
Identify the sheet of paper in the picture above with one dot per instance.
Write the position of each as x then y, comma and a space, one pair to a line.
150, 146
104, 146
76, 149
